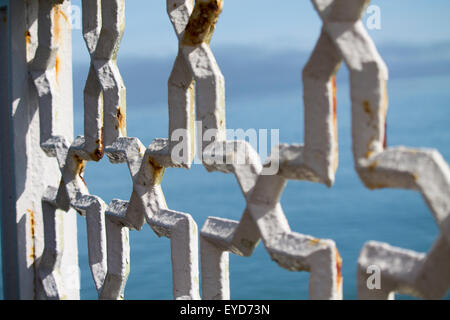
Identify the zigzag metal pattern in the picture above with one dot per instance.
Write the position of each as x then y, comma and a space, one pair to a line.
196, 73
291, 250
381, 167
108, 226
104, 93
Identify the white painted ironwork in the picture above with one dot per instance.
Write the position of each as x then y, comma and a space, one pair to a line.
197, 91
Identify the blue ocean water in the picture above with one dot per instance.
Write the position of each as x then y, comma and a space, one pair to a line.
418, 115
350, 214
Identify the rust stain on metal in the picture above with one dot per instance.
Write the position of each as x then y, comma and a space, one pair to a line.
158, 171
100, 151
373, 166
58, 13
62, 14
367, 109
57, 66
338, 270
334, 86
27, 37
57, 28
120, 119
314, 241
335, 128
80, 167
202, 22
57, 35
139, 149
369, 146
56, 25
33, 233
32, 255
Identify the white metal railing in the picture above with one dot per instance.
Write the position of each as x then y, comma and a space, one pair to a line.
196, 92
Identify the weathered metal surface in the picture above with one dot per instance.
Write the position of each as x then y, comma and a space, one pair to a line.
50, 264
40, 47
263, 218
104, 93
196, 89
93, 208
194, 27
147, 204
382, 167
108, 226
405, 271
118, 252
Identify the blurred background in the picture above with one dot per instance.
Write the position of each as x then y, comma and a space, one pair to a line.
261, 47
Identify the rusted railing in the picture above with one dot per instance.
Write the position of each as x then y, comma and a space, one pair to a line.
196, 92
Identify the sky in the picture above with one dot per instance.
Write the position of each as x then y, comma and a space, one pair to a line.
267, 25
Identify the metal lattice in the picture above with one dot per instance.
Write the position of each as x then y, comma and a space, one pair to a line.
197, 92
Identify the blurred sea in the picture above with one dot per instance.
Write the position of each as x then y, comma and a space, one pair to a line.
350, 214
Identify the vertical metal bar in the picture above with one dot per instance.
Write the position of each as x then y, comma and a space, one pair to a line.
8, 220
26, 171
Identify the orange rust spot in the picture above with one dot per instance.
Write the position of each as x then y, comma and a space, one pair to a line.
335, 128
82, 179
366, 106
33, 233
333, 83
57, 14
81, 176
56, 25
80, 168
27, 37
63, 15
416, 177
139, 149
202, 22
32, 222
120, 118
373, 165
158, 171
377, 186
338, 269
57, 66
370, 147
314, 241
100, 151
